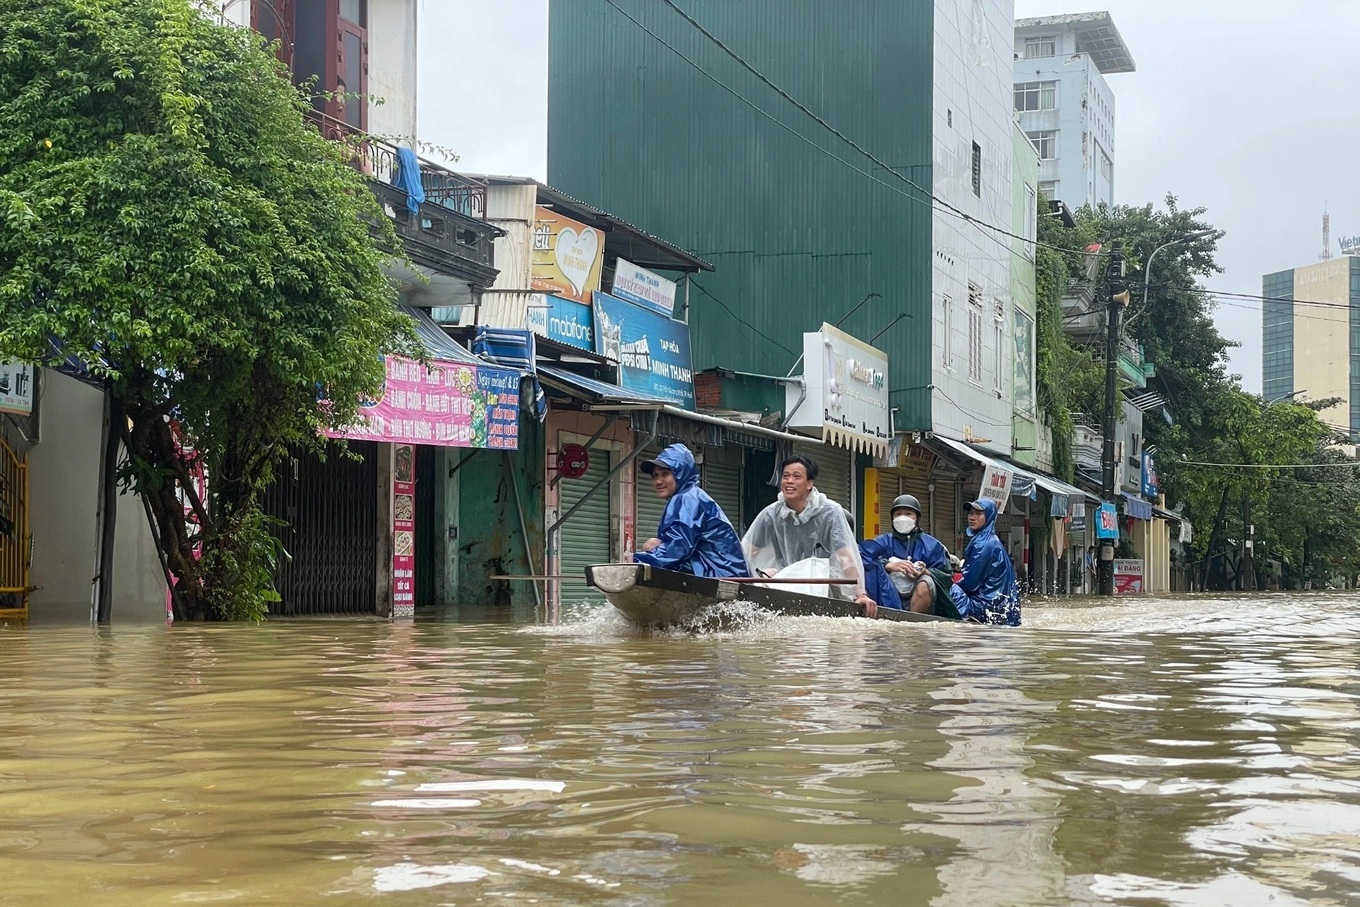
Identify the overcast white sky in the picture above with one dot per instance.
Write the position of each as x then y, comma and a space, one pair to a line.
1242, 106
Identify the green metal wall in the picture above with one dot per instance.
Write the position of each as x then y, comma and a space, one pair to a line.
489, 538
797, 236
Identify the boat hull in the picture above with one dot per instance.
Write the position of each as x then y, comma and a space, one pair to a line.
653, 597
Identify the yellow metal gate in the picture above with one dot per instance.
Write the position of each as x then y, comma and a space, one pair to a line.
15, 539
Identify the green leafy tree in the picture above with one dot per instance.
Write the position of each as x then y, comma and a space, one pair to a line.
172, 221
1065, 374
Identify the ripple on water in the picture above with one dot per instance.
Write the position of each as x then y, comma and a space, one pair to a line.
1153, 751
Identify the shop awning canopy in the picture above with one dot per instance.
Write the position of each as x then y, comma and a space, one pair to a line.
438, 344
1022, 483
593, 391
714, 431
1137, 507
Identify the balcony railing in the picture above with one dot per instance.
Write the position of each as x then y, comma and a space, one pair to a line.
377, 159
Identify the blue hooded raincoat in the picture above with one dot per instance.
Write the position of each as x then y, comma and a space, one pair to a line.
696, 536
987, 592
917, 546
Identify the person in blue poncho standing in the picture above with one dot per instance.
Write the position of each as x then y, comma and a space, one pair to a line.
694, 535
907, 568
987, 592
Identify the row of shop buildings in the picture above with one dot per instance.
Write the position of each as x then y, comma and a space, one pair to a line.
890, 342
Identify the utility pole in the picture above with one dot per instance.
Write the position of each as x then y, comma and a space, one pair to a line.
1119, 298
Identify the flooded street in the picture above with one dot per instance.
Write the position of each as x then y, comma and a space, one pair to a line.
1149, 752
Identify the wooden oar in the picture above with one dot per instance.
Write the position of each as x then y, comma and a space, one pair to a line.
789, 580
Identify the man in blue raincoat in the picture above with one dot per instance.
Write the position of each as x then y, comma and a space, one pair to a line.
907, 568
694, 535
987, 591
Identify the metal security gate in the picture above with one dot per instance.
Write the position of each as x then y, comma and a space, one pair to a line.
647, 506
913, 479
330, 508
722, 480
16, 542
833, 471
585, 538
945, 520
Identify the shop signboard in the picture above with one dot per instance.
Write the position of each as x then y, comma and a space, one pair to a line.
16, 388
403, 532
1128, 576
568, 256
996, 486
562, 320
651, 350
1150, 483
451, 404
642, 287
846, 399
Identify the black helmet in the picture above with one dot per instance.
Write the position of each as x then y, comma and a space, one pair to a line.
908, 501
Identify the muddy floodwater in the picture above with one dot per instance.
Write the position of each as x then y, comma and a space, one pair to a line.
1150, 752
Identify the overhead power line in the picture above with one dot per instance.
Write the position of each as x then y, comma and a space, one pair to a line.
929, 198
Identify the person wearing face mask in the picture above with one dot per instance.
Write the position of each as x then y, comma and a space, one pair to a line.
908, 566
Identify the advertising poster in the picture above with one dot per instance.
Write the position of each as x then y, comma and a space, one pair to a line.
1107, 522
16, 388
1128, 576
652, 351
642, 287
403, 531
452, 404
562, 320
568, 256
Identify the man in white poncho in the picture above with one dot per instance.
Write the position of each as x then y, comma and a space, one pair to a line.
806, 534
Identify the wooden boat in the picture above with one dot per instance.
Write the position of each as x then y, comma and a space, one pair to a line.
653, 597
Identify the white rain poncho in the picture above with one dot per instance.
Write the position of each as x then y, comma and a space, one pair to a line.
779, 538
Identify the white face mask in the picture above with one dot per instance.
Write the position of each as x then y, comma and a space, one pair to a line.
904, 523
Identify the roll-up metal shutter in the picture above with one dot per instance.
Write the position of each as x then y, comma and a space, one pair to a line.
584, 539
647, 505
833, 470
888, 484
722, 480
945, 520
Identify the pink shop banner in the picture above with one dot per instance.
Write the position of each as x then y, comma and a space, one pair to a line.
452, 404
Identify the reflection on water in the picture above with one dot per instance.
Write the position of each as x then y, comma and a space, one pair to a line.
1149, 752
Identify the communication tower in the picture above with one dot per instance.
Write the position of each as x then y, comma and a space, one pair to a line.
1326, 236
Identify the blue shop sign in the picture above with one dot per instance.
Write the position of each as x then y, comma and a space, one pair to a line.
563, 320
652, 351
1107, 522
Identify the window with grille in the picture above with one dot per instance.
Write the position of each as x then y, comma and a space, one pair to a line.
948, 337
1036, 96
999, 347
974, 333
977, 170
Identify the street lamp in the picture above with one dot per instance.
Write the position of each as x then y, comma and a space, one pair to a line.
1147, 268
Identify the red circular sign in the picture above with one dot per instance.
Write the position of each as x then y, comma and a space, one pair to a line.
572, 461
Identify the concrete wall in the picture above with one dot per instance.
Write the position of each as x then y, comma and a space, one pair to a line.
1084, 120
972, 104
64, 466
392, 68
1024, 200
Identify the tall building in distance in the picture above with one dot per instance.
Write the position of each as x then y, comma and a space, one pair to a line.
1065, 105
1313, 351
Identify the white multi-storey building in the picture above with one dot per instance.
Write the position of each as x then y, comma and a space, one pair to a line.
1065, 105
